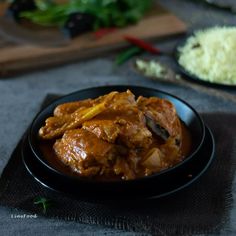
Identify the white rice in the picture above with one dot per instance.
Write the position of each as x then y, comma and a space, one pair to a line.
211, 55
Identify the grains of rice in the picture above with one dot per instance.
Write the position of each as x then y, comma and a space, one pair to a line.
151, 68
210, 55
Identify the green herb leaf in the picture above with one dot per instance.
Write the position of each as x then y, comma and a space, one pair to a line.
44, 202
107, 13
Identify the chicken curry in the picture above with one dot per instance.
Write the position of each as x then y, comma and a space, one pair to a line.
115, 136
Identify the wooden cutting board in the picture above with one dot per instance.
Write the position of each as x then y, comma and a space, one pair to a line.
20, 58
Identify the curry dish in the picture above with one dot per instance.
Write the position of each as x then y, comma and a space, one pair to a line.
115, 136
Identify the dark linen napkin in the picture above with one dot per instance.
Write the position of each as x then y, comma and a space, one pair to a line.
202, 207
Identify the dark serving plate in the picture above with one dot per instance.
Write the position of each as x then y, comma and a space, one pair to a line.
223, 5
191, 77
156, 190
141, 187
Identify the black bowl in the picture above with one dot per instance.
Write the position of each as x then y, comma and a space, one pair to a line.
140, 187
195, 169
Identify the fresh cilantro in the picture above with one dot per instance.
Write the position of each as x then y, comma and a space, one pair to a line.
107, 13
44, 202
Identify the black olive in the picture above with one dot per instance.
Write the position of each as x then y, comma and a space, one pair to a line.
78, 23
18, 6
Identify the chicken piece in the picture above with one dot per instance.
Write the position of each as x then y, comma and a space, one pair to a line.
163, 157
84, 152
89, 156
134, 135
163, 113
122, 101
116, 136
132, 123
122, 122
129, 133
71, 107
55, 126
104, 129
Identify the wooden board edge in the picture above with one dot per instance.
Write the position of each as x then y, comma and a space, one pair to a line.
20, 68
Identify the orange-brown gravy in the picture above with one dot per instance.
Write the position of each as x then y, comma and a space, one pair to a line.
46, 148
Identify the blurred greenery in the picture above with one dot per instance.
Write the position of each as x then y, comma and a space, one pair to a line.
107, 13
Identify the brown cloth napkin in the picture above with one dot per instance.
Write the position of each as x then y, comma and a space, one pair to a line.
202, 207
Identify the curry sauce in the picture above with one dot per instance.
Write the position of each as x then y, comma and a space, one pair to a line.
114, 137
51, 158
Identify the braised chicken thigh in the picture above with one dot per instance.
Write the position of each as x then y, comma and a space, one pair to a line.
115, 136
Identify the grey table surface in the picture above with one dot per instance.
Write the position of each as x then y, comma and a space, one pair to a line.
21, 97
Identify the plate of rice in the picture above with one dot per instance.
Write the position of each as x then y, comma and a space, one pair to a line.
209, 56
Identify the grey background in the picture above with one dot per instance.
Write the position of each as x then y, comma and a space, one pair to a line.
21, 97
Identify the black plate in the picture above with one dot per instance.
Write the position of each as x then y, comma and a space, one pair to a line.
186, 113
184, 178
223, 5
140, 187
189, 76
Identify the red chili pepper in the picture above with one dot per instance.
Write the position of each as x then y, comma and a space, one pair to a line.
142, 44
103, 31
